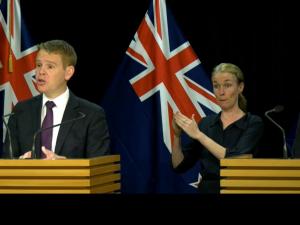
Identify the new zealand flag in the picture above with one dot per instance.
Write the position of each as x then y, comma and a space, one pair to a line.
159, 75
17, 59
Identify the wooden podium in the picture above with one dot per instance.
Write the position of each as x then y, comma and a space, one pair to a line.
73, 176
261, 176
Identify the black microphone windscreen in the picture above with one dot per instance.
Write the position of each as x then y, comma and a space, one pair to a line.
278, 108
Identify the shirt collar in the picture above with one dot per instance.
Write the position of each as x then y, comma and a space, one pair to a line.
240, 123
60, 100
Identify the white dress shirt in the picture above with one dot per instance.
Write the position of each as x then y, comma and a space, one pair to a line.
58, 112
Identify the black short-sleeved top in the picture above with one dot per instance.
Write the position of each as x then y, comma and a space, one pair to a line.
240, 137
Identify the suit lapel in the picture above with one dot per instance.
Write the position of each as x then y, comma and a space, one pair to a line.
36, 120
70, 113
36, 113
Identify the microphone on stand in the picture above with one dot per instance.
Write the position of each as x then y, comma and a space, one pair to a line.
33, 151
10, 149
277, 109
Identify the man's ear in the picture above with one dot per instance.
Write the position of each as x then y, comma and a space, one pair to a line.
69, 72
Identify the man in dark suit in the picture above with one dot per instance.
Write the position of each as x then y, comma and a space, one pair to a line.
84, 132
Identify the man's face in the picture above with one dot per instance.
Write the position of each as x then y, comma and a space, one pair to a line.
51, 75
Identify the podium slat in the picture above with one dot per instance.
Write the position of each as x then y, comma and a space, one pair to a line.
58, 172
261, 183
289, 163
266, 191
59, 162
260, 173
101, 189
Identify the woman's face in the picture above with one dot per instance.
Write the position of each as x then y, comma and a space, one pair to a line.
226, 89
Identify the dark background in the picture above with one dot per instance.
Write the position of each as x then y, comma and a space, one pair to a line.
261, 38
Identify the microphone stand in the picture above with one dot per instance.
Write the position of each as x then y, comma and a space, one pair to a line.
285, 151
11, 155
33, 150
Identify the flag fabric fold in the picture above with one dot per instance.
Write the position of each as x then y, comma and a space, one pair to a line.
160, 74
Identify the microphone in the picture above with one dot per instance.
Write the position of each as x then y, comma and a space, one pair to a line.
82, 115
277, 109
10, 150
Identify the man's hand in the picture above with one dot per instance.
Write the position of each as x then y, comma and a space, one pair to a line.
51, 155
26, 155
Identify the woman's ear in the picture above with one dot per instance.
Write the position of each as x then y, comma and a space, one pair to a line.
241, 87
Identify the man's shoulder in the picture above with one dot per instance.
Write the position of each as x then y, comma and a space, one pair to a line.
29, 102
86, 104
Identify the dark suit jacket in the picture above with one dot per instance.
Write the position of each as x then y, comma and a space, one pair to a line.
84, 138
296, 144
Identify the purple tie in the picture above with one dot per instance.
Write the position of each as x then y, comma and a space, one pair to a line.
46, 136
